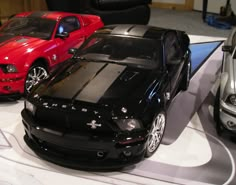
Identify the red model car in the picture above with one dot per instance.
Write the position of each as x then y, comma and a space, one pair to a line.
32, 43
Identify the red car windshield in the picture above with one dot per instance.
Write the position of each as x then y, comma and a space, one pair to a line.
28, 26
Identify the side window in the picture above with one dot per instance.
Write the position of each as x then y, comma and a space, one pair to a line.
173, 52
68, 24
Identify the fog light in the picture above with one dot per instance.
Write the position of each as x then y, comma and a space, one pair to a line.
127, 153
231, 124
8, 88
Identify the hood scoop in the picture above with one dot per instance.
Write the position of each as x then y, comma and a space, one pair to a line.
21, 40
128, 75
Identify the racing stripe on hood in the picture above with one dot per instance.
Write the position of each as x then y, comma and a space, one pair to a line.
7, 38
70, 86
136, 30
94, 90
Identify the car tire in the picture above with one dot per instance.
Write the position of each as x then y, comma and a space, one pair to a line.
219, 126
156, 133
36, 73
186, 77
15, 98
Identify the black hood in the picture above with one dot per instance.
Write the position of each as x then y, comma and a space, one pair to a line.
97, 82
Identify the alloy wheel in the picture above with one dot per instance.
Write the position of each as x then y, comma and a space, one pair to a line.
35, 75
156, 132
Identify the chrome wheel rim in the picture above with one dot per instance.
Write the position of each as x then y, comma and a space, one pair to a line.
156, 132
34, 76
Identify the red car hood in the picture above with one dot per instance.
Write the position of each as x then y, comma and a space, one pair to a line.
11, 46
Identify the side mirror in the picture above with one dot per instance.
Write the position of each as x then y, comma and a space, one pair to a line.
72, 51
227, 48
63, 35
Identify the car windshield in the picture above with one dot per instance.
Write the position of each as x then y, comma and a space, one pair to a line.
133, 51
27, 26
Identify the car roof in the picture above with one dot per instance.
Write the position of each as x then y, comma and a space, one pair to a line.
46, 14
142, 31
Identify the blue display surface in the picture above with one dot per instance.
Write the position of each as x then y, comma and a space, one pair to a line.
201, 52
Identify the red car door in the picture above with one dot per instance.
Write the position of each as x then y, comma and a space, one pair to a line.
70, 25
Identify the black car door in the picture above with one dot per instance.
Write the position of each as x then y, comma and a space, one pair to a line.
173, 58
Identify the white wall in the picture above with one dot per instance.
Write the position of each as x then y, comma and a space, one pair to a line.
213, 5
170, 1
233, 5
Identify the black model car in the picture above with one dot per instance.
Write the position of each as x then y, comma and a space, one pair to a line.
106, 107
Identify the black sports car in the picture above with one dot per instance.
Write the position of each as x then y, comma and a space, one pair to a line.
106, 107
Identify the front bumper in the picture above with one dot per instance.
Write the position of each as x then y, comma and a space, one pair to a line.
82, 151
11, 84
228, 116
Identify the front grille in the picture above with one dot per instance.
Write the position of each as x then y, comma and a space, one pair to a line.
71, 120
71, 154
50, 118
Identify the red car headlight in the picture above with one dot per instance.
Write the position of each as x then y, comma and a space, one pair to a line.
9, 68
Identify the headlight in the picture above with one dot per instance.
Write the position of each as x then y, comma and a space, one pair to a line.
9, 68
30, 107
128, 124
232, 99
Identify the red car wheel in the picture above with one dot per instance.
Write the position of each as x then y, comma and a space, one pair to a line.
35, 75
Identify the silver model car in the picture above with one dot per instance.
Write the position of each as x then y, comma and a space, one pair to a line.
225, 101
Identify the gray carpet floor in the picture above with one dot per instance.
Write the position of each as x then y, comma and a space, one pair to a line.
189, 21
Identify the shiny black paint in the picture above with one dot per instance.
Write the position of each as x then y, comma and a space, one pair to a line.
69, 100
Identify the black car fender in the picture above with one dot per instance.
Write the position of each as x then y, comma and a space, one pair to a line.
157, 104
